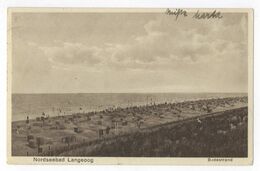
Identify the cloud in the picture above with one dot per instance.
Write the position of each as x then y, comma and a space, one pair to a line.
70, 54
155, 54
191, 41
164, 44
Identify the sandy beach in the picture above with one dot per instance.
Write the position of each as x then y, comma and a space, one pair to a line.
45, 135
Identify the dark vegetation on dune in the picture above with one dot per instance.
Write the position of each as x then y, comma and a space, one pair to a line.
222, 135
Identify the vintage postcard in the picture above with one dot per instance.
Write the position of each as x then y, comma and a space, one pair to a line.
130, 86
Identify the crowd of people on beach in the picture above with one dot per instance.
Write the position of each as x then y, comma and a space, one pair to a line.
111, 121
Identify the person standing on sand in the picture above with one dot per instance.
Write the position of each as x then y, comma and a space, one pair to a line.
27, 124
27, 120
43, 117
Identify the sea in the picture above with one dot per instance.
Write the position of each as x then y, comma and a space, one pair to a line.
33, 105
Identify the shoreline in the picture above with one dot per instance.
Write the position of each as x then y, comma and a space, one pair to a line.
125, 107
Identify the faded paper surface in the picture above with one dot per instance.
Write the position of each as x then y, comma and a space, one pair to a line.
130, 86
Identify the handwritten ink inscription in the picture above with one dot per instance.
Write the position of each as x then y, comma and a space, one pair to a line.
207, 15
198, 15
177, 13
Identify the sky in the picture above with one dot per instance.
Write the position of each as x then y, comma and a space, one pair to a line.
128, 52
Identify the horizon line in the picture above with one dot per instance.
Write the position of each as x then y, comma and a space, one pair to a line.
130, 92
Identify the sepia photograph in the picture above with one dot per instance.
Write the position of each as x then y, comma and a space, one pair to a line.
123, 86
